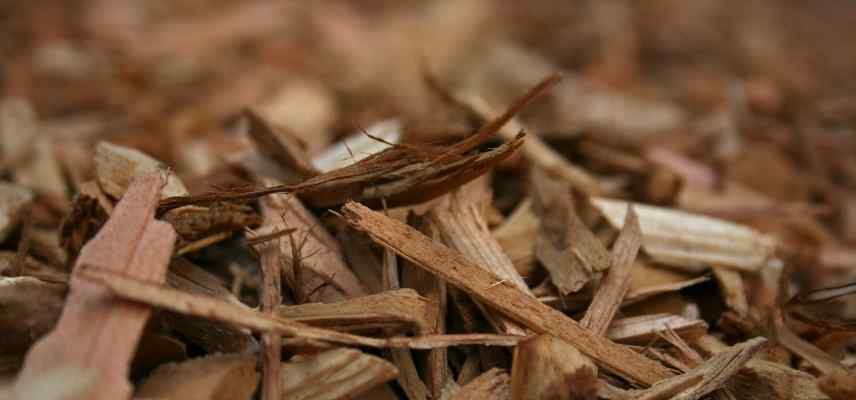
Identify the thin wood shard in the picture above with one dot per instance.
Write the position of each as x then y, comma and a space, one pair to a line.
491, 385
564, 244
545, 367
215, 377
616, 282
105, 332
508, 299
643, 329
692, 241
334, 374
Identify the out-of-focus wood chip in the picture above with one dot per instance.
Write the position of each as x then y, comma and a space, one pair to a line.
487, 287
116, 166
564, 244
733, 292
334, 374
545, 367
105, 332
215, 377
616, 281
13, 200
838, 386
516, 235
30, 308
691, 241
491, 385
278, 145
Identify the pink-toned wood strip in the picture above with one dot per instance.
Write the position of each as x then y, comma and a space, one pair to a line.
96, 332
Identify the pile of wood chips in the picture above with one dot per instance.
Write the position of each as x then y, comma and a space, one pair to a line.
224, 199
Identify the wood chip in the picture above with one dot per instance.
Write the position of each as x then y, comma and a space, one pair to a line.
564, 244
334, 374
733, 292
616, 281
642, 329
491, 385
117, 166
133, 243
30, 307
459, 272
215, 377
546, 367
691, 241
765, 380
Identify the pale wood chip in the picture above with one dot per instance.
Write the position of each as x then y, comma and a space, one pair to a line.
105, 332
461, 273
491, 385
334, 374
642, 329
117, 166
616, 281
692, 241
545, 367
215, 377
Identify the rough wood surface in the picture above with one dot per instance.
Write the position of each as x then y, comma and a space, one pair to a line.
545, 367
461, 273
491, 385
334, 374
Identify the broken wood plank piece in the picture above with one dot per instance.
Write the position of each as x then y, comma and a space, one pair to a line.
314, 266
462, 228
491, 385
463, 274
105, 332
545, 367
613, 287
564, 244
219, 310
334, 374
714, 373
694, 242
214, 377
